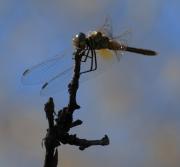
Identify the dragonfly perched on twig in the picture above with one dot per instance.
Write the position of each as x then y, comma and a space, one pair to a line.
100, 47
102, 40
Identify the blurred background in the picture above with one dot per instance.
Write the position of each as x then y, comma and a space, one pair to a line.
138, 106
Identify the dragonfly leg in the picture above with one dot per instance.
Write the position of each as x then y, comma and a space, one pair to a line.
92, 59
86, 56
95, 58
92, 63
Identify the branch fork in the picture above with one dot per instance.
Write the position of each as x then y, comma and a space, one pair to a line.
60, 124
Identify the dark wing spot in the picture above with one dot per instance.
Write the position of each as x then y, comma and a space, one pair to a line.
25, 72
45, 85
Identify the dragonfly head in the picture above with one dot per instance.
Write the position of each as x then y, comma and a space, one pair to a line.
79, 41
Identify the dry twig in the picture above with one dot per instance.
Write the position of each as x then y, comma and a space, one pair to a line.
60, 125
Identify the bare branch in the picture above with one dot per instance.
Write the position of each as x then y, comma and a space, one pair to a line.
59, 127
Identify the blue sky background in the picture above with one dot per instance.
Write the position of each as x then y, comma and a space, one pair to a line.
136, 104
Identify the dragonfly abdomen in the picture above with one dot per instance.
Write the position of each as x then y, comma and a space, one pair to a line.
113, 45
141, 51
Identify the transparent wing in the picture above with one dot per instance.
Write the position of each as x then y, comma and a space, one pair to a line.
125, 34
60, 81
57, 83
107, 28
105, 60
45, 70
124, 39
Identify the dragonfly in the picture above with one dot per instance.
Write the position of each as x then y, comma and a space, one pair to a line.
102, 40
101, 49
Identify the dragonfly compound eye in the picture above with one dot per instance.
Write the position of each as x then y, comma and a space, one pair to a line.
79, 41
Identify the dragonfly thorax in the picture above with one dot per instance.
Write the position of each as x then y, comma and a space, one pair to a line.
97, 40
